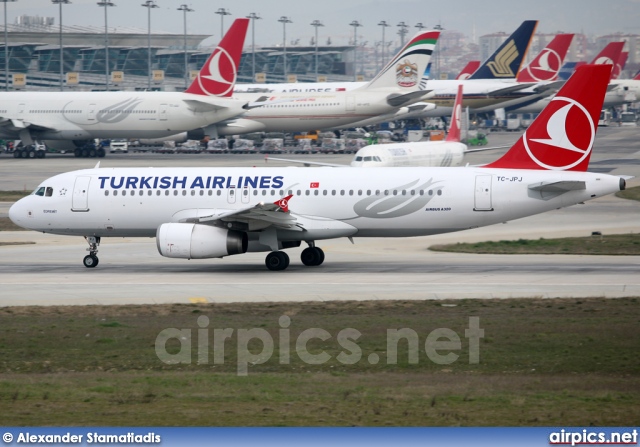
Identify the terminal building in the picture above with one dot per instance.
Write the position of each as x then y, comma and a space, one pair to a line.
33, 46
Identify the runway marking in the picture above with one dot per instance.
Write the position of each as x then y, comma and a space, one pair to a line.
198, 300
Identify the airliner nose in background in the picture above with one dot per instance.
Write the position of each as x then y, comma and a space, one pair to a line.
199, 213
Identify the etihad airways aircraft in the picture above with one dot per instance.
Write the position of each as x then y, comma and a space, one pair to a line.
396, 86
82, 116
214, 212
448, 152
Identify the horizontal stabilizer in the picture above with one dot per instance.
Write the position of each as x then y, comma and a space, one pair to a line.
396, 100
202, 106
507, 90
562, 186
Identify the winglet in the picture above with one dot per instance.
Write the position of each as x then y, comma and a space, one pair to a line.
284, 203
562, 136
218, 75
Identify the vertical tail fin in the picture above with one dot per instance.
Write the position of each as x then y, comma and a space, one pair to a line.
622, 61
218, 75
468, 70
609, 55
547, 64
506, 61
406, 67
562, 136
454, 129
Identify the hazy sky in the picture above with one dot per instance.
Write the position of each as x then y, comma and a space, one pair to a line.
593, 17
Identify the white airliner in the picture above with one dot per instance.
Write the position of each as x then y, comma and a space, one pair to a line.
81, 116
448, 152
198, 213
396, 86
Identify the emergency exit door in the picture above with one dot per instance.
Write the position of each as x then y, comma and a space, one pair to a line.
483, 193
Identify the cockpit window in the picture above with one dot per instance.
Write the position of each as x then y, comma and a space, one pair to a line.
368, 158
48, 192
359, 158
40, 191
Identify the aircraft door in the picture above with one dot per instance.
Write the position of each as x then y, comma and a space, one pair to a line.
163, 112
80, 200
351, 103
231, 195
483, 193
246, 195
91, 112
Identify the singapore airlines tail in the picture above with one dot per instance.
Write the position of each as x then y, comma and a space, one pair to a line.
546, 66
562, 136
218, 75
506, 61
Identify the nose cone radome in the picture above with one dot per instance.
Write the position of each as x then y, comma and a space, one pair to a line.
18, 213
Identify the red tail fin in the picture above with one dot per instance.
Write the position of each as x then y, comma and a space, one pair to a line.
218, 75
609, 55
546, 66
622, 61
284, 203
468, 70
454, 130
562, 136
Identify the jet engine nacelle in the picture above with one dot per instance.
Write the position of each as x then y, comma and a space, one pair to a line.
195, 241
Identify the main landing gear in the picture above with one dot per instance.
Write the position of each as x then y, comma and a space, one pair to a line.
91, 260
310, 256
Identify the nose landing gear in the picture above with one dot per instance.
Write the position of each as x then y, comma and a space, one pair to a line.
91, 260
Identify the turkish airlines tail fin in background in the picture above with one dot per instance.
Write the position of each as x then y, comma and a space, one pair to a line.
454, 129
506, 61
468, 70
562, 136
622, 61
609, 55
406, 67
547, 64
218, 75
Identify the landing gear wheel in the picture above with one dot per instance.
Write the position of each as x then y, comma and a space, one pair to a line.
78, 153
101, 153
90, 261
40, 154
277, 260
312, 256
17, 153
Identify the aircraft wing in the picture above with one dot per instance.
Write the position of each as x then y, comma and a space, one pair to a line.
253, 217
306, 162
16, 125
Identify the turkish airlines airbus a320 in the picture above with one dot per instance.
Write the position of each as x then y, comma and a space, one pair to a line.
197, 213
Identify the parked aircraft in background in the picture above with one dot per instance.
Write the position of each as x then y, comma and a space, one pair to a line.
396, 86
448, 152
82, 116
618, 93
198, 213
468, 70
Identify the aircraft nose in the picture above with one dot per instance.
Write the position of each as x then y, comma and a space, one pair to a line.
18, 213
